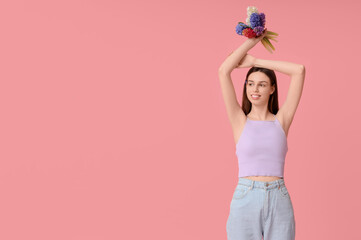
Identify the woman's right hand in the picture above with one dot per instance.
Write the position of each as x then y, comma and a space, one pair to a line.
255, 40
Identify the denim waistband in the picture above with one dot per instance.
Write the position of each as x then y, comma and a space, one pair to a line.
260, 184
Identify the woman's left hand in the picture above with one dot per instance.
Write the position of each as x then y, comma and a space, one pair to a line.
246, 62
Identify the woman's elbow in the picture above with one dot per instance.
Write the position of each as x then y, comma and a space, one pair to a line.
221, 70
224, 70
302, 69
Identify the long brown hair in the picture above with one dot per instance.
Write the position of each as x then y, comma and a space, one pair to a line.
273, 99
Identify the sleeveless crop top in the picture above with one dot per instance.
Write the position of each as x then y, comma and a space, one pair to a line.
261, 148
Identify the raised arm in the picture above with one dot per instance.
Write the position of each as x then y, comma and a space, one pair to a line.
297, 73
236, 56
234, 110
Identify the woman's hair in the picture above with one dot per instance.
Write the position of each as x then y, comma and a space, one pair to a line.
273, 99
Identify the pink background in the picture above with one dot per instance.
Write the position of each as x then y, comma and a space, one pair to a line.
113, 124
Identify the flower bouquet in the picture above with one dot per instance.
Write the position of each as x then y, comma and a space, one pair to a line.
255, 27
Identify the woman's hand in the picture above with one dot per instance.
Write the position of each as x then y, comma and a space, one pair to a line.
255, 40
246, 62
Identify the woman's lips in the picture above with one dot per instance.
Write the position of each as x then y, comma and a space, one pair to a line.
255, 97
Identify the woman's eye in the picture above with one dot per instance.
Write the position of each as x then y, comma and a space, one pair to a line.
249, 84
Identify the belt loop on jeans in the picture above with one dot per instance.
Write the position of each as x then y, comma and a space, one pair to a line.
252, 184
278, 183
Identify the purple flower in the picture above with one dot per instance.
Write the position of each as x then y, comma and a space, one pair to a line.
263, 19
240, 27
256, 20
258, 30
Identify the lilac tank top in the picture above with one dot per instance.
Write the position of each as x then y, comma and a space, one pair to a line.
262, 148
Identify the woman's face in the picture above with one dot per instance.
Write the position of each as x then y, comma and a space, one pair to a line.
260, 85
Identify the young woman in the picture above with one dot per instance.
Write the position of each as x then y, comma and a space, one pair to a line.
261, 205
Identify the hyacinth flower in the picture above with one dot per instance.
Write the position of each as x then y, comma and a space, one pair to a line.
255, 27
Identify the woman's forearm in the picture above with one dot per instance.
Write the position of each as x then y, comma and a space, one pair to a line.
234, 58
288, 68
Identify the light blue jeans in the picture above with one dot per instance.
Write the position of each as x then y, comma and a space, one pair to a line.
261, 209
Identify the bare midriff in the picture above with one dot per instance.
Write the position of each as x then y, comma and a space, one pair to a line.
263, 178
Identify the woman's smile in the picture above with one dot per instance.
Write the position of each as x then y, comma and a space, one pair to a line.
255, 96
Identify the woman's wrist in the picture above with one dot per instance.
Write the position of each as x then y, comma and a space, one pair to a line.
248, 44
251, 42
257, 62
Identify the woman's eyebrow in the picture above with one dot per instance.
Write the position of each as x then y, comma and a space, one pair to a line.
259, 81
